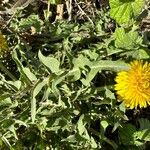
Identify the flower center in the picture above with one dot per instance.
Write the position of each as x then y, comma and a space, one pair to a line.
144, 84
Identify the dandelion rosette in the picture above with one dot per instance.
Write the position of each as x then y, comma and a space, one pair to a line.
133, 86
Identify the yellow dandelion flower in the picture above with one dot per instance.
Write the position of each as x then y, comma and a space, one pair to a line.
3, 44
133, 86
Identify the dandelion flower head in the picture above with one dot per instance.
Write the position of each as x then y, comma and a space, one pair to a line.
3, 45
133, 85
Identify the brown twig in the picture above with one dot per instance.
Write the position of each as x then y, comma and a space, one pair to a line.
84, 13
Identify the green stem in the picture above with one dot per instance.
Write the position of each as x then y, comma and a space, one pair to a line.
7, 72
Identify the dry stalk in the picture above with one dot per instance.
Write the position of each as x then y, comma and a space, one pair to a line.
83, 12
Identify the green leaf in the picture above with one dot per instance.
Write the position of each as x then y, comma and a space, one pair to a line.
143, 54
109, 65
124, 10
144, 123
21, 68
56, 81
93, 143
15, 84
37, 88
143, 135
111, 142
126, 133
31, 21
81, 125
5, 101
90, 76
29, 74
5, 140
126, 40
97, 66
79, 63
20, 123
70, 138
12, 129
109, 94
50, 62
